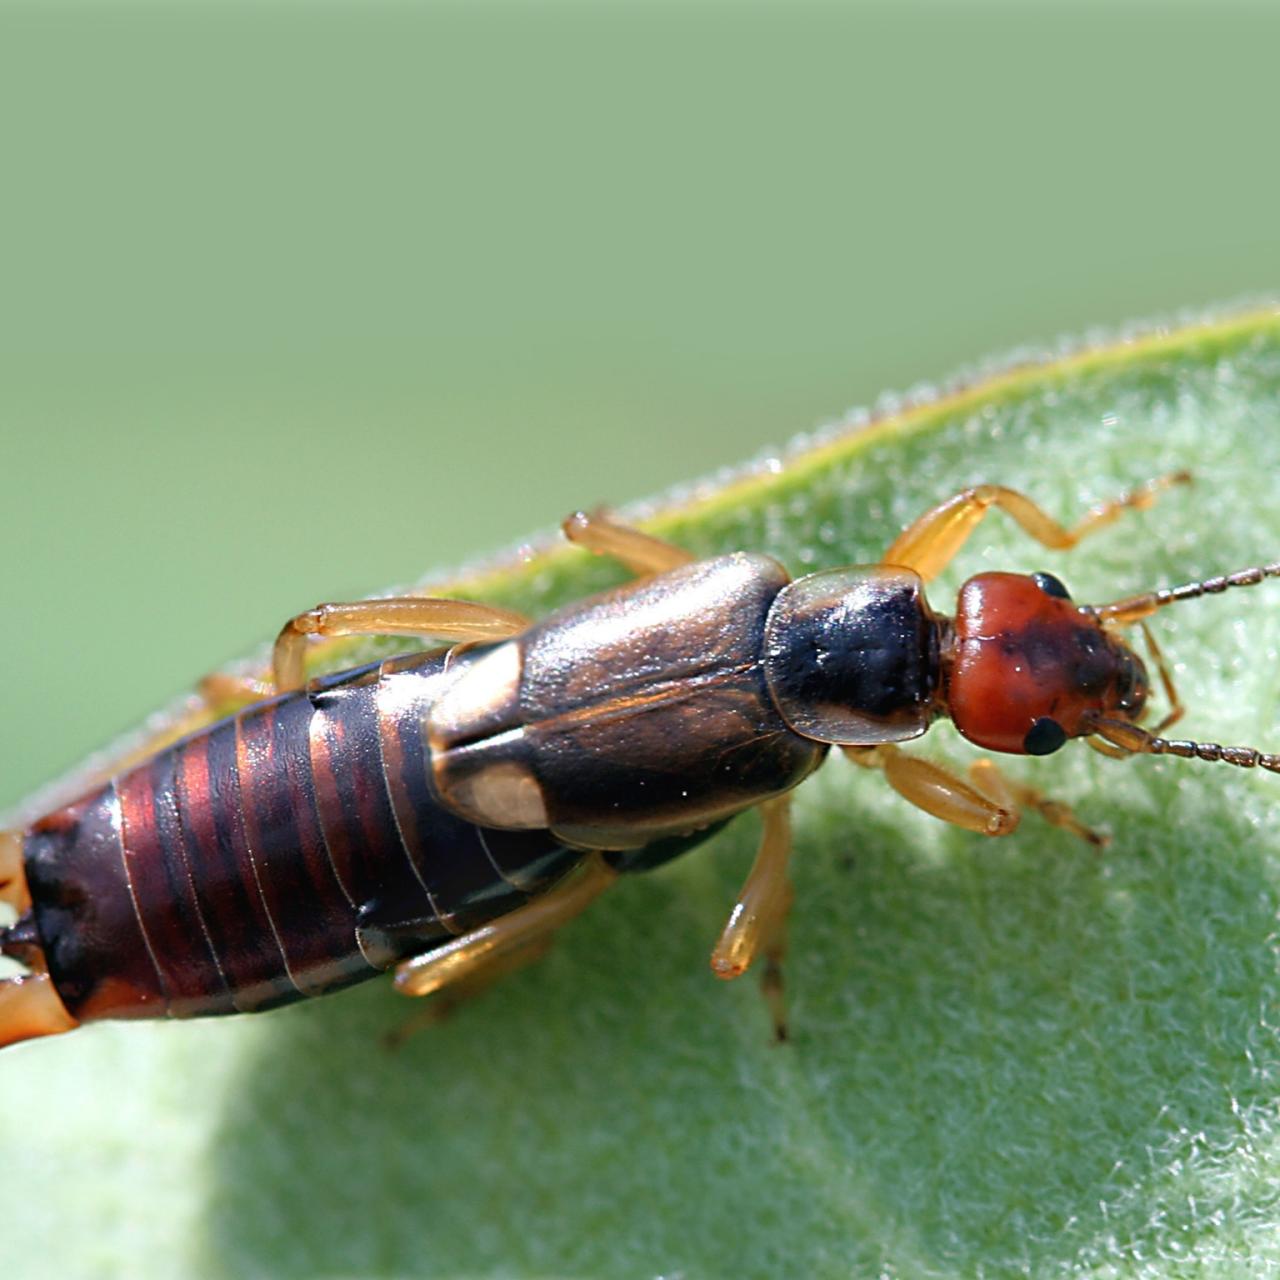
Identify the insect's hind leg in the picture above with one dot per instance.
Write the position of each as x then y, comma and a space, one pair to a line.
427, 616
470, 955
462, 620
642, 553
486, 973
931, 542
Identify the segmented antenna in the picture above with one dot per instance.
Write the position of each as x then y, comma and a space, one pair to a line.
1133, 739
1134, 608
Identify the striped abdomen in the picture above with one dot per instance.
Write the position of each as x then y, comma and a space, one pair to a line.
291, 850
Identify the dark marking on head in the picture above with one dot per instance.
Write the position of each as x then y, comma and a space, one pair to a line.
1044, 737
1051, 585
1093, 666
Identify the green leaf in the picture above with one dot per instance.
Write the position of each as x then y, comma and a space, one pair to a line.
1009, 1058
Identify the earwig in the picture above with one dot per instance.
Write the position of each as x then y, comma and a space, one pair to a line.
442, 813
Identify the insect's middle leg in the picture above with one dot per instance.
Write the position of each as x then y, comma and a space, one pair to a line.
931, 542
758, 922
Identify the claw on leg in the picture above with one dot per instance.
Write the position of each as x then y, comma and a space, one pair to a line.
987, 777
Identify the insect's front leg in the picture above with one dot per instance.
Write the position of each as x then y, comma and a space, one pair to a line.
987, 777
932, 542
938, 791
758, 922
988, 803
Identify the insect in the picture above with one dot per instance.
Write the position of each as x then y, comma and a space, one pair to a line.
442, 813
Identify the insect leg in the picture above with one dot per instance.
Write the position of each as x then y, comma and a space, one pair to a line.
1176, 707
225, 693
986, 776
640, 552
764, 900
758, 922
929, 545
485, 974
400, 615
938, 791
464, 957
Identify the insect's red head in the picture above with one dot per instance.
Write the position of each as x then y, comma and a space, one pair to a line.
1029, 669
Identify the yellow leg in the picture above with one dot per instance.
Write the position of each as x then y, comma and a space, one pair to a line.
465, 957
929, 545
986, 776
486, 972
938, 791
765, 899
757, 925
989, 803
462, 620
226, 693
398, 616
641, 552
1176, 707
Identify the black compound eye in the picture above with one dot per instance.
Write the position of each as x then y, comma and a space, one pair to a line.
1050, 585
1044, 737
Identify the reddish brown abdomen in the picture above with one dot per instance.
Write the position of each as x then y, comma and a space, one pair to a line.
292, 850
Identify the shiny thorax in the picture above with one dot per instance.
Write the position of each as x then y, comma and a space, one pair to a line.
644, 713
443, 813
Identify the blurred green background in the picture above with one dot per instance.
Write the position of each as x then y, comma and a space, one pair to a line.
300, 302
